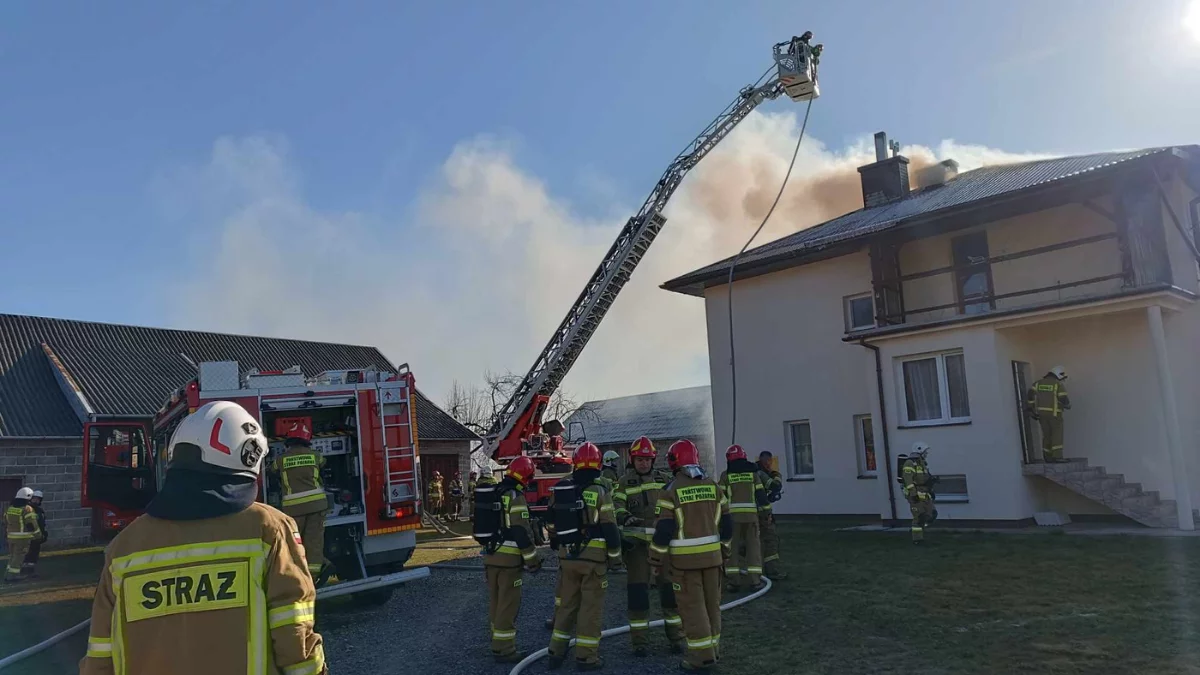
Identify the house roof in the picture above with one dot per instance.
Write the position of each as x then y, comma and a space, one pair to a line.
678, 413
435, 424
130, 370
968, 188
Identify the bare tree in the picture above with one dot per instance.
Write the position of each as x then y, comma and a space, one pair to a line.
470, 406
478, 407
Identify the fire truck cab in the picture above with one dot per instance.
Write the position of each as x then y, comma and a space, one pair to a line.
118, 471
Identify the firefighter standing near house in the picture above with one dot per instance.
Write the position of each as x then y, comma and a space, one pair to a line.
208, 580
502, 528
21, 524
747, 502
918, 489
299, 469
435, 494
454, 510
1045, 402
471, 485
772, 481
635, 499
692, 539
35, 544
584, 532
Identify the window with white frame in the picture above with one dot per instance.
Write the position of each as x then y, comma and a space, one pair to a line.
800, 454
860, 312
935, 389
864, 442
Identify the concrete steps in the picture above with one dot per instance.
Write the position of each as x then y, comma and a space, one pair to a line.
1129, 499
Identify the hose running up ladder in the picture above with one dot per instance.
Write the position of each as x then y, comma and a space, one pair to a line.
621, 630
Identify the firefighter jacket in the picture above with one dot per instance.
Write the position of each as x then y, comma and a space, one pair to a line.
21, 522
229, 594
517, 548
609, 479
435, 490
299, 470
41, 521
456, 488
1048, 396
602, 538
918, 482
743, 487
693, 524
634, 499
772, 480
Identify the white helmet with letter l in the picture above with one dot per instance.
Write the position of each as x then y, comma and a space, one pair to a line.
920, 448
25, 493
220, 437
1059, 372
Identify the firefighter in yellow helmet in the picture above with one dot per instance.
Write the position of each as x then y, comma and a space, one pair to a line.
918, 490
692, 538
502, 528
299, 471
635, 498
1045, 402
208, 580
772, 480
747, 501
585, 534
21, 523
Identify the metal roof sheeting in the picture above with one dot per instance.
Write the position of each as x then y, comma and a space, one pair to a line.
130, 370
679, 413
971, 186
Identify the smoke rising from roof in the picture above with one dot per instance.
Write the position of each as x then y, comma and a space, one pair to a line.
492, 260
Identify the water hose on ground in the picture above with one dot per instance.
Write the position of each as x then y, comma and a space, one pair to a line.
621, 630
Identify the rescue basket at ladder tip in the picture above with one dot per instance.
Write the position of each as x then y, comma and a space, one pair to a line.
796, 60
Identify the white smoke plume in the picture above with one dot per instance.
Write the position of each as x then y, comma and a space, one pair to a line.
490, 264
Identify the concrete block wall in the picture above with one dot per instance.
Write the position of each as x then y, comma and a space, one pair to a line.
53, 466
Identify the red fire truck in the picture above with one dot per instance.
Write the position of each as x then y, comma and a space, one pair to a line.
363, 423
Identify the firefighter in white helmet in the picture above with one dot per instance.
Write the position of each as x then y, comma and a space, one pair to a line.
918, 489
610, 473
20, 520
208, 580
1045, 403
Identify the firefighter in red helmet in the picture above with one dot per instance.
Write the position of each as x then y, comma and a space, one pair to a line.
636, 495
692, 538
584, 532
299, 470
502, 527
747, 500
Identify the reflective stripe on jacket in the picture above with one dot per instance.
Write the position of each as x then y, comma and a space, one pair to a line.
746, 494
21, 522
634, 499
515, 514
300, 473
689, 525
1048, 396
230, 594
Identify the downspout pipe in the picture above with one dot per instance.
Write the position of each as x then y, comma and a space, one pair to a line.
883, 420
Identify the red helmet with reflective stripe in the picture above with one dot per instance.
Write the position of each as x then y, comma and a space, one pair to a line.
521, 470
587, 456
642, 447
734, 452
298, 427
682, 453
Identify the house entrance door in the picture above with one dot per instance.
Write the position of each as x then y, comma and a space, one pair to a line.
1021, 371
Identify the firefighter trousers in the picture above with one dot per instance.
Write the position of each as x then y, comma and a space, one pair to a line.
504, 602
579, 608
637, 564
745, 566
1052, 436
770, 545
17, 548
922, 514
312, 534
31, 558
698, 593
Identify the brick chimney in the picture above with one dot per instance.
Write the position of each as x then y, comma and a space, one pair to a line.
887, 179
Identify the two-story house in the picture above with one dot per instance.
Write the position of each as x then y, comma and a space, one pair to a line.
927, 314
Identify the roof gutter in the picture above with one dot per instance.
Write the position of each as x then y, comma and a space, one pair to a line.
883, 421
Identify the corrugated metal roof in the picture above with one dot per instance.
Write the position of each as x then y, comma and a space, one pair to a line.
435, 424
679, 413
970, 186
130, 370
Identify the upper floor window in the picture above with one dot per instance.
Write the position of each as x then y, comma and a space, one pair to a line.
972, 273
935, 389
860, 312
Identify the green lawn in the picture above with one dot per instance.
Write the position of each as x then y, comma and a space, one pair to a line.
972, 603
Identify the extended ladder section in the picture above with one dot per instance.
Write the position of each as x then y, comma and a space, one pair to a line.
618, 265
399, 455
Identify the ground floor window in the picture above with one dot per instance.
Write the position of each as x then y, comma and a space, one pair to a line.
800, 464
950, 488
864, 440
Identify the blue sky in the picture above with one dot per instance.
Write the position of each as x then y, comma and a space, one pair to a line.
111, 115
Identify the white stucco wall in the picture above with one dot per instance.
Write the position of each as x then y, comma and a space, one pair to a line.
792, 365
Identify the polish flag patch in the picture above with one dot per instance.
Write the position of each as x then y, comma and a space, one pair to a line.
296, 538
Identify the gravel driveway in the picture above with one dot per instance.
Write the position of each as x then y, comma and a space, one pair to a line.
439, 626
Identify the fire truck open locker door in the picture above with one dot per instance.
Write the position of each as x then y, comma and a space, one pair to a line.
118, 472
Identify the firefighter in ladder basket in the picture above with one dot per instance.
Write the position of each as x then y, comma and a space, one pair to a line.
502, 528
